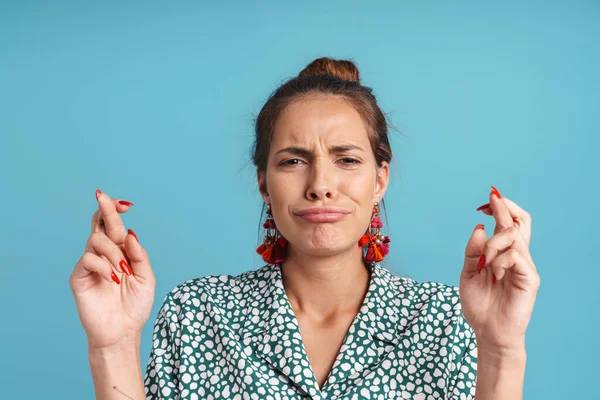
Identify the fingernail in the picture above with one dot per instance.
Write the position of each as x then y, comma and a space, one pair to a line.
125, 203
98, 191
496, 192
131, 232
125, 267
483, 207
493, 278
481, 262
115, 278
479, 226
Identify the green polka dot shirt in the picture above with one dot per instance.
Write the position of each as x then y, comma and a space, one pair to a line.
236, 337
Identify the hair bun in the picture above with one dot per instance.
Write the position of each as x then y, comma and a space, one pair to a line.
343, 69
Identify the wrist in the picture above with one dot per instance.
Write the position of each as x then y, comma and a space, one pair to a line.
507, 347
124, 347
117, 371
501, 357
500, 372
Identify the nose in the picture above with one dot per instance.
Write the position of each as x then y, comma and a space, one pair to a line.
321, 183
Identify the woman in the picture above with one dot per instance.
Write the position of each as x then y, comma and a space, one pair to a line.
322, 319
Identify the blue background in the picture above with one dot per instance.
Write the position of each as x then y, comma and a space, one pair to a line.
153, 102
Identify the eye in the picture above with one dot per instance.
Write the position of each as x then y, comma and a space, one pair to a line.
349, 160
291, 161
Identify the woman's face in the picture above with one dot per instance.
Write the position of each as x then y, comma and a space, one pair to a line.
320, 157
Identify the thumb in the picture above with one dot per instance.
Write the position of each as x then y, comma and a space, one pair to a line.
474, 248
138, 257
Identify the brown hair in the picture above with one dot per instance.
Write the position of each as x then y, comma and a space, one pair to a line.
323, 76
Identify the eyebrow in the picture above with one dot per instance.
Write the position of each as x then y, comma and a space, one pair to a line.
300, 151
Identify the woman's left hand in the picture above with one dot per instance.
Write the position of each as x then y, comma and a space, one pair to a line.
497, 300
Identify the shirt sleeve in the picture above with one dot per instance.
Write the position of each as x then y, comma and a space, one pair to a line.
462, 365
161, 381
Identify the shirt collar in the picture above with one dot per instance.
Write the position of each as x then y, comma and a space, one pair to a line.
270, 315
380, 308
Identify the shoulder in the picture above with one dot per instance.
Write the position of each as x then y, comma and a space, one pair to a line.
441, 294
435, 302
216, 289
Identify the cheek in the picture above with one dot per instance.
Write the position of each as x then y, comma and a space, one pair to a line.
283, 186
360, 188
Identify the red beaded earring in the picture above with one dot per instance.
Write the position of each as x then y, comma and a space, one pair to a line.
273, 247
378, 246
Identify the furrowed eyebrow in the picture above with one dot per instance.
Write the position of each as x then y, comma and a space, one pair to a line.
299, 151
344, 148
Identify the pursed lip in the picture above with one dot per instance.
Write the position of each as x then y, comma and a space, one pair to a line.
322, 214
322, 210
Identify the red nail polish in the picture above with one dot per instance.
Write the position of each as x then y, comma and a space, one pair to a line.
115, 278
131, 232
481, 262
125, 203
493, 278
496, 192
479, 226
125, 267
483, 207
98, 191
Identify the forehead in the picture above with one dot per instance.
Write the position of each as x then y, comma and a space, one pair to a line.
326, 119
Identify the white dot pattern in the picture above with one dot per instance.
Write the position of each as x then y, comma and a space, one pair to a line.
236, 337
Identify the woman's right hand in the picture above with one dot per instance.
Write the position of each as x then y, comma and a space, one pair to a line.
112, 313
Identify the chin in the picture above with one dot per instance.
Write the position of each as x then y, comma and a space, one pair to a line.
323, 239
328, 239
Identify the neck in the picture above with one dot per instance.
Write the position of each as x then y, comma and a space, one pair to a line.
321, 287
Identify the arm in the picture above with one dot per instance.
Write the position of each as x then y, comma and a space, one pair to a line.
498, 288
500, 375
116, 372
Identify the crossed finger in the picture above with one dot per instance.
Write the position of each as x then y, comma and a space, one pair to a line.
500, 212
108, 218
509, 214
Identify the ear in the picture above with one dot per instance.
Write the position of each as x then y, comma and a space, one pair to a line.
382, 181
261, 177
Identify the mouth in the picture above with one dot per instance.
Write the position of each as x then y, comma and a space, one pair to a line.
322, 214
